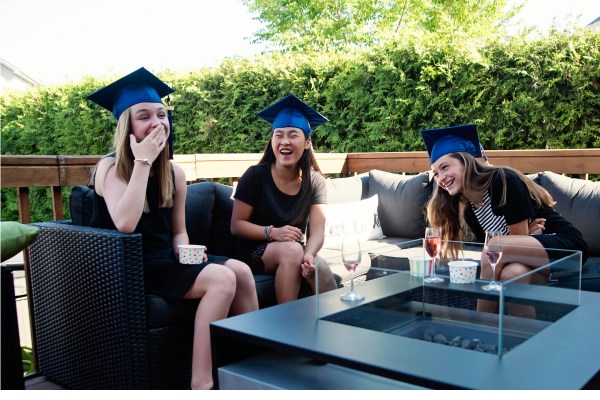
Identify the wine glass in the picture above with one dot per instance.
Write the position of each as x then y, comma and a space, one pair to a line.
433, 246
351, 255
493, 249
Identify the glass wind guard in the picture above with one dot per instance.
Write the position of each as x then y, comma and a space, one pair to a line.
457, 311
379, 260
536, 296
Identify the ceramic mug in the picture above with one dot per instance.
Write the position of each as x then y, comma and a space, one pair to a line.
191, 253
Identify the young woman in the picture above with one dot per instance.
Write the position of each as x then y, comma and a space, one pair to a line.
495, 198
139, 190
275, 199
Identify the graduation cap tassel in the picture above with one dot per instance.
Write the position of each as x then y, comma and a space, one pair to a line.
484, 156
169, 109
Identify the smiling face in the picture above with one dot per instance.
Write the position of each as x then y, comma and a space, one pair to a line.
288, 145
448, 172
145, 117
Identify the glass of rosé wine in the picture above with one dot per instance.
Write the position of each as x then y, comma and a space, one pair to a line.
493, 249
433, 246
351, 256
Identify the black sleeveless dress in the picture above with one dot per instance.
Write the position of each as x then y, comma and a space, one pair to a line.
163, 274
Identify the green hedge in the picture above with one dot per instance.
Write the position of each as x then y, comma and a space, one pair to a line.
522, 93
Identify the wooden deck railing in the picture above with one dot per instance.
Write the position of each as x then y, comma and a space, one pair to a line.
23, 172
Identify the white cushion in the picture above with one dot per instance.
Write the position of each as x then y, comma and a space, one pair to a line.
358, 218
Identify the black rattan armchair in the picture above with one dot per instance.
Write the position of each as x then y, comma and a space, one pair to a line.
95, 327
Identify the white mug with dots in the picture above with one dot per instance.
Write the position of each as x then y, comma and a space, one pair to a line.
191, 253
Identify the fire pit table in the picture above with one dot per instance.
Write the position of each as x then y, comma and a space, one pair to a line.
442, 335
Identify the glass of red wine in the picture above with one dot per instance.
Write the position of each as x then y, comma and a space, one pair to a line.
433, 246
493, 249
351, 255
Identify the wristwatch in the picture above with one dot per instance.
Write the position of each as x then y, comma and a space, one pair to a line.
145, 161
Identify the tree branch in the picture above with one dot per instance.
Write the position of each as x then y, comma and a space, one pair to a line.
402, 16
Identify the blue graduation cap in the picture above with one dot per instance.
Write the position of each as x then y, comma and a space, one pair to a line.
291, 111
140, 86
443, 141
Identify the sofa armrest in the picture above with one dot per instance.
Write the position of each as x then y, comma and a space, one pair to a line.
89, 307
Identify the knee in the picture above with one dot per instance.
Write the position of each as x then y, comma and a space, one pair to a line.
323, 266
512, 271
292, 252
224, 282
242, 271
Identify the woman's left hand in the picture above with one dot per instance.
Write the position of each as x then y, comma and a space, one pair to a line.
537, 226
308, 266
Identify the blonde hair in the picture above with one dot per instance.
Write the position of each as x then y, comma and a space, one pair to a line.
124, 163
446, 211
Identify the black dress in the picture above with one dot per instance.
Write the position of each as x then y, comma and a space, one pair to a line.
163, 274
271, 207
559, 233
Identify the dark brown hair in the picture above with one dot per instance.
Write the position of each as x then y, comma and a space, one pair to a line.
306, 165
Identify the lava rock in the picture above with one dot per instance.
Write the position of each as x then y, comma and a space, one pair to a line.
457, 341
466, 344
479, 346
441, 339
429, 335
491, 347
476, 342
504, 351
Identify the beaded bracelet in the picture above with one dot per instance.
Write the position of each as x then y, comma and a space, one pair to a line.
267, 233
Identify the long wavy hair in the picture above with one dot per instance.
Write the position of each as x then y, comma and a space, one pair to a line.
305, 166
124, 162
447, 211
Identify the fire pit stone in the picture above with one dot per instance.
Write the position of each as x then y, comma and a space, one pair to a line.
441, 339
429, 335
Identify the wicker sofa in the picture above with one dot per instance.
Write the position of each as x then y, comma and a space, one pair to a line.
96, 329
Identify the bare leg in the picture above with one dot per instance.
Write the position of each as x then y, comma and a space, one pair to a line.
326, 278
215, 284
245, 299
284, 259
516, 261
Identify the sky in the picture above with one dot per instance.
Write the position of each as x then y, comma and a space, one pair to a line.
53, 41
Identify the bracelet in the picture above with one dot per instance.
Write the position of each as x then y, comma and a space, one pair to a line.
145, 161
267, 232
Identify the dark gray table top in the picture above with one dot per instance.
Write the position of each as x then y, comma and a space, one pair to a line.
562, 356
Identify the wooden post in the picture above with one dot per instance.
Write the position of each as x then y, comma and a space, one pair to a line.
23, 203
216, 180
57, 204
25, 218
234, 182
583, 176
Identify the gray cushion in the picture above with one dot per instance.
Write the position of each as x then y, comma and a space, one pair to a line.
348, 190
579, 202
402, 201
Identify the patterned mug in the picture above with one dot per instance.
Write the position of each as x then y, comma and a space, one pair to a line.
191, 253
462, 271
421, 265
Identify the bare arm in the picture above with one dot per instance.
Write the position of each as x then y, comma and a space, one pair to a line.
317, 218
520, 228
178, 231
125, 201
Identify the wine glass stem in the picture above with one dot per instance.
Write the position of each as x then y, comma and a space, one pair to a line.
352, 282
434, 266
493, 282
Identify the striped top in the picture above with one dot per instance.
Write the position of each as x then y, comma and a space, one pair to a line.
487, 219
